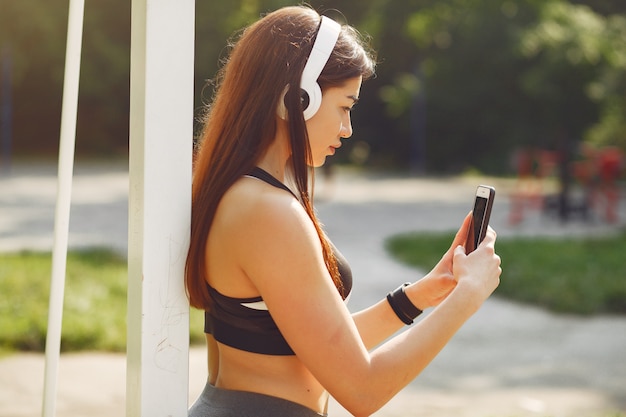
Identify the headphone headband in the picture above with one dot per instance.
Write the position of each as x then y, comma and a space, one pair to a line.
325, 41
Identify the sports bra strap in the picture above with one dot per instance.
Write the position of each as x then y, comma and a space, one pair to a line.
263, 175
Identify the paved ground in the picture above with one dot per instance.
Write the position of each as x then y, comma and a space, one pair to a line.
509, 359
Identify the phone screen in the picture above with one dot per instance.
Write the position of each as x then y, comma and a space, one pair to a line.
480, 217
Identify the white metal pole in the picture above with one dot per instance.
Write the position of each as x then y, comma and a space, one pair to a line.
161, 131
64, 194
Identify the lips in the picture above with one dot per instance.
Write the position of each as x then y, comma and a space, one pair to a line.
333, 148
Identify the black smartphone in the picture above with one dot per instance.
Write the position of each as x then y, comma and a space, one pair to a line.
483, 202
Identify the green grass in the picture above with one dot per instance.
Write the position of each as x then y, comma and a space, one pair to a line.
584, 276
580, 276
94, 315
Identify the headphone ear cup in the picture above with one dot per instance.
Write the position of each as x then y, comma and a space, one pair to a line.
311, 100
305, 99
314, 94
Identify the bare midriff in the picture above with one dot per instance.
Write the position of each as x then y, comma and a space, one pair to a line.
278, 376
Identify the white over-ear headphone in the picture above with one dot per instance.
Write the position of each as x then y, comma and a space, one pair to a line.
325, 41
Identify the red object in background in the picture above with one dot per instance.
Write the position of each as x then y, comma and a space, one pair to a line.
609, 167
597, 171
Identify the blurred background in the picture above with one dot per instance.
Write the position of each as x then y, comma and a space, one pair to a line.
529, 94
462, 84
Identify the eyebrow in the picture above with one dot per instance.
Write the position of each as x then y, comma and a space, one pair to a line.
354, 98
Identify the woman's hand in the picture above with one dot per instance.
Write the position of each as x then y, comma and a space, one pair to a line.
479, 272
440, 281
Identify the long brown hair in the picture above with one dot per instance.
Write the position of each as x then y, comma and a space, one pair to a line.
241, 122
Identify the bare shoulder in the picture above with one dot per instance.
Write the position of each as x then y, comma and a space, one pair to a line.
258, 227
252, 205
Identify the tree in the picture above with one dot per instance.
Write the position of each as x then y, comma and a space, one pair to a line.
35, 52
36, 33
577, 81
484, 93
460, 83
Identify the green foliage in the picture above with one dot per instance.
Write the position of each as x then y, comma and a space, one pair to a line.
460, 82
33, 35
94, 315
581, 276
500, 75
577, 56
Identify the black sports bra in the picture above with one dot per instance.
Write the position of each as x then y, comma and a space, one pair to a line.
246, 323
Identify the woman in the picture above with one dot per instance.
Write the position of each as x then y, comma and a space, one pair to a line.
280, 337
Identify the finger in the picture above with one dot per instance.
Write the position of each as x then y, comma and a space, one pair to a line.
459, 250
461, 234
490, 237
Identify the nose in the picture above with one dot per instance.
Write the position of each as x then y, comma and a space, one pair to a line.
346, 130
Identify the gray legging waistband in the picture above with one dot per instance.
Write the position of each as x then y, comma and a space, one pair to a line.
219, 402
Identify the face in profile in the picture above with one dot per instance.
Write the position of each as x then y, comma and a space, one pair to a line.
332, 121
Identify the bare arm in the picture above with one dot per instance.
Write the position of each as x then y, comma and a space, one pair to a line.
378, 322
281, 253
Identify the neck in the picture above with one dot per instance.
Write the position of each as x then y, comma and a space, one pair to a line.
277, 155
